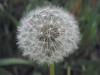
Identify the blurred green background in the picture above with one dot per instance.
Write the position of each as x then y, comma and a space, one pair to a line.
85, 61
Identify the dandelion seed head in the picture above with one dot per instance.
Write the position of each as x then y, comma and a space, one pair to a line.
47, 34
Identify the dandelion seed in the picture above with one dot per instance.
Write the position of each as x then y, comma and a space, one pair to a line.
47, 34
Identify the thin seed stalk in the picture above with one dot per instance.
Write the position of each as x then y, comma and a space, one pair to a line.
68, 70
52, 69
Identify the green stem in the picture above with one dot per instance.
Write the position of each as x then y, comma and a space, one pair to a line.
52, 69
68, 70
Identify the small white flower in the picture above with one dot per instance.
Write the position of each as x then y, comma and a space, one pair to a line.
47, 34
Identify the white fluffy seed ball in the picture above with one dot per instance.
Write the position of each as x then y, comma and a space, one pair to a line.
47, 34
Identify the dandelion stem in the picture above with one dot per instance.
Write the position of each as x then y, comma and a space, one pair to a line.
52, 69
68, 70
